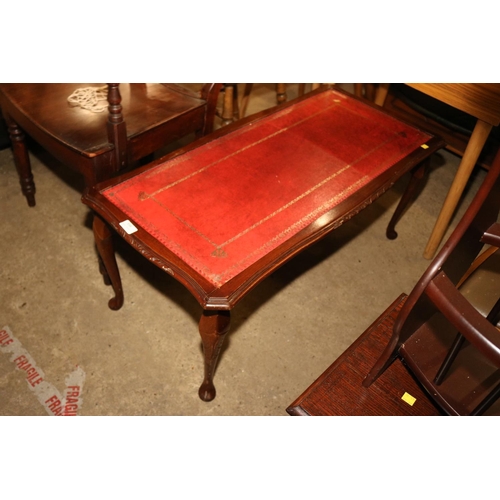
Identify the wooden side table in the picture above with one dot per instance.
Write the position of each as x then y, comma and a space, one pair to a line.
481, 101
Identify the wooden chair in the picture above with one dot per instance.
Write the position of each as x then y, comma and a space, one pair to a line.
468, 382
142, 119
481, 101
223, 213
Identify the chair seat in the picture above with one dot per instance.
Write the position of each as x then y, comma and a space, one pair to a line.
45, 107
223, 206
470, 378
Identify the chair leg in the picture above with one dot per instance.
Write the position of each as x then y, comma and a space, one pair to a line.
22, 161
494, 315
228, 105
244, 99
281, 93
387, 357
104, 243
487, 401
214, 326
417, 175
381, 93
236, 103
450, 357
471, 154
370, 91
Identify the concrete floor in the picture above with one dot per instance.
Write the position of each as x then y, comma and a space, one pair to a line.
146, 358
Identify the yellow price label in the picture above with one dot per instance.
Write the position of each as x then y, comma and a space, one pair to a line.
408, 398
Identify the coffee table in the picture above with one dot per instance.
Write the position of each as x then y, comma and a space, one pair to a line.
225, 212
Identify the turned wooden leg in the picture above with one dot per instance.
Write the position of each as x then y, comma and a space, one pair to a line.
214, 326
417, 175
22, 160
104, 243
280, 92
302, 89
228, 104
471, 154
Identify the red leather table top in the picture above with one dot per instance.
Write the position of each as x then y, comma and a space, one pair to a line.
226, 204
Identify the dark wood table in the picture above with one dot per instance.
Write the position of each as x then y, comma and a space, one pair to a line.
222, 214
338, 391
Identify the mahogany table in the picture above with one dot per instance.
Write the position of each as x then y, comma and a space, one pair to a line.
224, 213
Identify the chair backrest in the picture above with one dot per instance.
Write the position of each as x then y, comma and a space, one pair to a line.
418, 333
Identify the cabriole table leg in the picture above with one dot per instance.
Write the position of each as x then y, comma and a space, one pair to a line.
214, 326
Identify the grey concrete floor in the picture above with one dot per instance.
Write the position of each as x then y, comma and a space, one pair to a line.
146, 358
